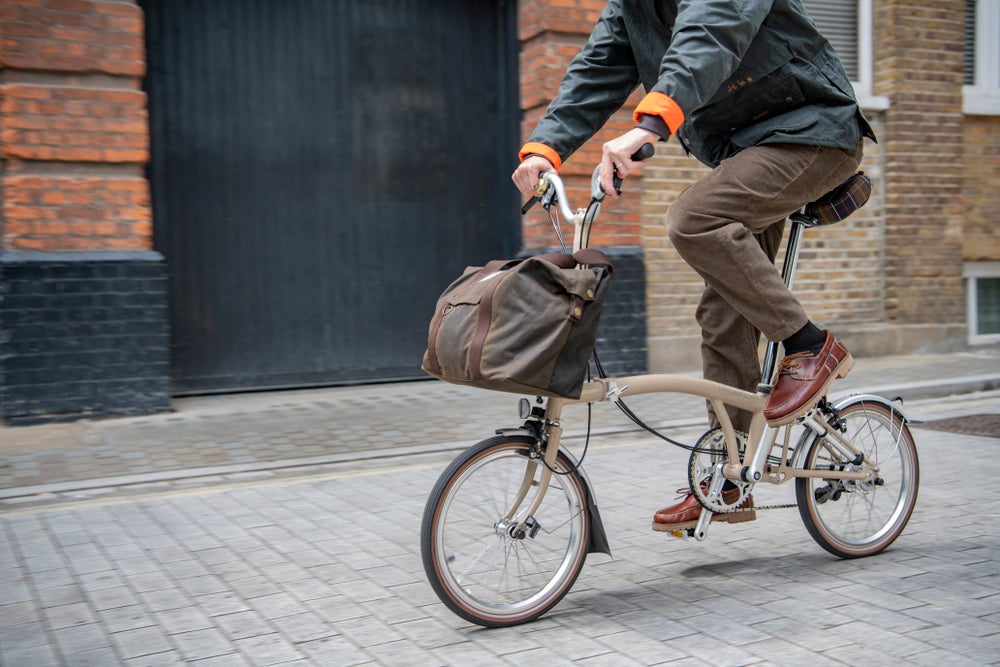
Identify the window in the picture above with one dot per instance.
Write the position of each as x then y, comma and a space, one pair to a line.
848, 26
983, 301
982, 57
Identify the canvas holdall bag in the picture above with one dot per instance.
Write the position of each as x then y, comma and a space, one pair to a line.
526, 326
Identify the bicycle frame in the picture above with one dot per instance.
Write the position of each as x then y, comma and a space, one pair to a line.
509, 523
750, 467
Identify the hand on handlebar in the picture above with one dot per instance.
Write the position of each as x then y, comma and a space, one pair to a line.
623, 156
526, 175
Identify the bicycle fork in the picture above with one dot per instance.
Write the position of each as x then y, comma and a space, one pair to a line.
547, 433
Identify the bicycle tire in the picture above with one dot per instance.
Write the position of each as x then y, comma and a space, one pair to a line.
853, 519
476, 567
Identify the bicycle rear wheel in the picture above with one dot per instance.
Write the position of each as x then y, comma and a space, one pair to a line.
477, 562
851, 518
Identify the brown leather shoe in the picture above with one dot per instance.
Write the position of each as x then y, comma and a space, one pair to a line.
685, 514
804, 378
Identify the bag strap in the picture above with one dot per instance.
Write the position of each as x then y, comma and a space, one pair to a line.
483, 327
495, 266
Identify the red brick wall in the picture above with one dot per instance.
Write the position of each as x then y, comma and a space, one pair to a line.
551, 33
73, 126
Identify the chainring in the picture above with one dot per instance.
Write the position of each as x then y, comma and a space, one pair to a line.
710, 450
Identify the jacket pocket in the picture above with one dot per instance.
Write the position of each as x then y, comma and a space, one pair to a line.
771, 95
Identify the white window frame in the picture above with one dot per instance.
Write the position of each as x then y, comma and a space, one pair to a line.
863, 46
972, 272
863, 86
983, 97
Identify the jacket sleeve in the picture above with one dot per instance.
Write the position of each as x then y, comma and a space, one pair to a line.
709, 39
597, 83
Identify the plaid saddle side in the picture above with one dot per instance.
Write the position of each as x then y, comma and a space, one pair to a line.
842, 201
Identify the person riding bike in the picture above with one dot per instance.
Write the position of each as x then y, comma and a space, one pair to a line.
751, 89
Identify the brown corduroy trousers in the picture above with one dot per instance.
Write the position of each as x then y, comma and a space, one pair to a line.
728, 226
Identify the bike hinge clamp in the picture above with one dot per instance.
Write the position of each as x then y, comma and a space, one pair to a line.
614, 391
755, 471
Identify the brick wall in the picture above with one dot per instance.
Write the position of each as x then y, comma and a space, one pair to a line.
981, 188
74, 129
888, 279
919, 51
75, 219
551, 33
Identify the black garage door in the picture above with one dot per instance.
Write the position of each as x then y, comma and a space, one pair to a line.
320, 170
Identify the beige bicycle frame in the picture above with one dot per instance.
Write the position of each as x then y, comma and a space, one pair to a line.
752, 466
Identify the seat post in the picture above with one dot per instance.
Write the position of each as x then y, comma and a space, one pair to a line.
799, 222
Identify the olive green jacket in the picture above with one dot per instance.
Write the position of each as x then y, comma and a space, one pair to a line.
722, 74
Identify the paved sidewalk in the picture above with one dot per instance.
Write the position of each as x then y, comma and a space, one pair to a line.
324, 569
233, 435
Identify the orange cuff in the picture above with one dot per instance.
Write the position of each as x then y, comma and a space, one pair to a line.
533, 147
658, 104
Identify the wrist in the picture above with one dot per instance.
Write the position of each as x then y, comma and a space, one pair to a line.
541, 150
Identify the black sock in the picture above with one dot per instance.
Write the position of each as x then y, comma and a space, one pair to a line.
809, 338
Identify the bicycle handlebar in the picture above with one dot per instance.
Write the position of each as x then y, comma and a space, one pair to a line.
550, 186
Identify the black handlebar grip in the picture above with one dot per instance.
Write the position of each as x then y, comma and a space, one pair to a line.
645, 152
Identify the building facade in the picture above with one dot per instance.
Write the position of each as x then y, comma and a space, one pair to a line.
900, 275
87, 326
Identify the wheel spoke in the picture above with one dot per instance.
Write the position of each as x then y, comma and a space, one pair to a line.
862, 517
493, 576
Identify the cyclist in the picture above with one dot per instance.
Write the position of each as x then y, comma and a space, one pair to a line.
753, 90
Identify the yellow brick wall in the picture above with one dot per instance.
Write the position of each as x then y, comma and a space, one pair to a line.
981, 188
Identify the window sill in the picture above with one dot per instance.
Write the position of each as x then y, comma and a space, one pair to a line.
873, 102
979, 102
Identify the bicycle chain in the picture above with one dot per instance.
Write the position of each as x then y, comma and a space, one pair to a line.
759, 507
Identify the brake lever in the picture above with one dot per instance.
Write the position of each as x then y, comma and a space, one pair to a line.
645, 152
541, 188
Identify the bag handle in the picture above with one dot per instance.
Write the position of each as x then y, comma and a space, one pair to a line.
593, 257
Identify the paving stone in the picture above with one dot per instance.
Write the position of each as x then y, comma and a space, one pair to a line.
38, 654
225, 660
243, 624
164, 600
336, 650
217, 604
99, 657
120, 619
200, 644
276, 605
176, 621
165, 659
141, 641
79, 639
304, 627
270, 649
67, 615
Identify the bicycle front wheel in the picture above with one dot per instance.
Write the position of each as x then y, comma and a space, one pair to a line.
479, 562
852, 518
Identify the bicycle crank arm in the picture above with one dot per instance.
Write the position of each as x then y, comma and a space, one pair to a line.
700, 531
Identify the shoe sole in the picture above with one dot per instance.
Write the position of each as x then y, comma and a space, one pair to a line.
725, 517
845, 366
